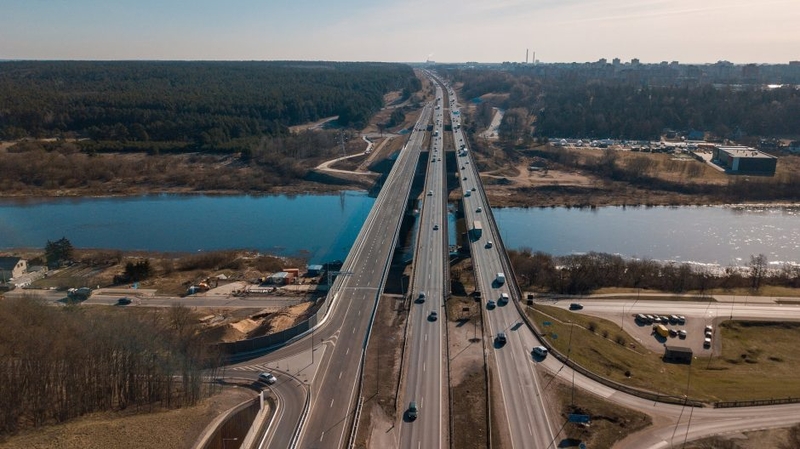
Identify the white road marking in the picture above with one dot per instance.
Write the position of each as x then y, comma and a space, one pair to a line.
332, 402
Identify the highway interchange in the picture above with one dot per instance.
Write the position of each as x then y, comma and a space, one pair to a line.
318, 391
341, 338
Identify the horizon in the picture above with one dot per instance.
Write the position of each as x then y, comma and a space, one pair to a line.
449, 31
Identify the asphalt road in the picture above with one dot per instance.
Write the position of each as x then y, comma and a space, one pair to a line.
525, 413
424, 368
335, 390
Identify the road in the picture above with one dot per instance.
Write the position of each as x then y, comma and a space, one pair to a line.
424, 375
525, 413
335, 393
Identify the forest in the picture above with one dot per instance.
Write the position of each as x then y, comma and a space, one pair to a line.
58, 363
196, 105
626, 110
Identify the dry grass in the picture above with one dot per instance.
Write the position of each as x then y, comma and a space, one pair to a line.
170, 429
609, 422
758, 361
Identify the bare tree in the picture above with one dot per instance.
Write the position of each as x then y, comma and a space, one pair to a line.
758, 269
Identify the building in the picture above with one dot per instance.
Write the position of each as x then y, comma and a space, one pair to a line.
313, 270
745, 161
678, 354
11, 268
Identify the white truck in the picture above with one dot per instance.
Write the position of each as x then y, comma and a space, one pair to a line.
500, 279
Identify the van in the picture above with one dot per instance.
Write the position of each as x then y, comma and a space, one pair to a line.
500, 278
503, 298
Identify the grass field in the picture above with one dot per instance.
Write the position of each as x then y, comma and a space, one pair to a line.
758, 360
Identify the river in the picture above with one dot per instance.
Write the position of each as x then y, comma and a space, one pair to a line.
318, 227
719, 235
323, 227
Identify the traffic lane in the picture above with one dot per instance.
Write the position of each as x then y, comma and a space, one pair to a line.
291, 396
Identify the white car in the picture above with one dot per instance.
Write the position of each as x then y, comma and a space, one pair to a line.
267, 378
541, 351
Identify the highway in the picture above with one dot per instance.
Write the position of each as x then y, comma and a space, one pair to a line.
355, 296
424, 369
515, 374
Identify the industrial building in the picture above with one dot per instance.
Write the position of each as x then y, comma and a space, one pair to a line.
745, 160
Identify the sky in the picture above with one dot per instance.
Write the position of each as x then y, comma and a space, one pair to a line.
688, 31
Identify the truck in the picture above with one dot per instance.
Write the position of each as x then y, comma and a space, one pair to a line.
477, 229
661, 330
500, 279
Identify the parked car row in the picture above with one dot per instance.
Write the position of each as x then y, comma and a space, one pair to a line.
661, 319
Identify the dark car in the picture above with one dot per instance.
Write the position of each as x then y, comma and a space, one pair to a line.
124, 301
412, 411
433, 316
501, 338
575, 306
421, 297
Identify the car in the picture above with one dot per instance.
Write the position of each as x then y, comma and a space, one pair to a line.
500, 339
473, 189
673, 319
479, 210
503, 298
430, 192
575, 306
267, 378
436, 227
706, 342
682, 333
124, 301
709, 328
650, 319
412, 411
440, 159
657, 319
681, 319
464, 178
463, 168
664, 319
489, 244
433, 316
540, 351
673, 333
490, 304
421, 297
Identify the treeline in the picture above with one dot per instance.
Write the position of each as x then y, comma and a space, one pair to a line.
60, 363
629, 110
206, 104
256, 165
584, 273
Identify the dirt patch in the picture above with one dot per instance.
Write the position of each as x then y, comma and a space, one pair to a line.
169, 429
382, 374
467, 376
609, 422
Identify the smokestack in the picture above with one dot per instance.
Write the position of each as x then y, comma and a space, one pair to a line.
533, 61
526, 56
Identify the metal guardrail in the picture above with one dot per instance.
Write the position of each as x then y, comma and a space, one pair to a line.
755, 402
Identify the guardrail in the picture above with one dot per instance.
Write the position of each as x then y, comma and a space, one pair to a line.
755, 402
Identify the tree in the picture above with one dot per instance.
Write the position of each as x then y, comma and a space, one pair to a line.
758, 269
137, 271
58, 252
